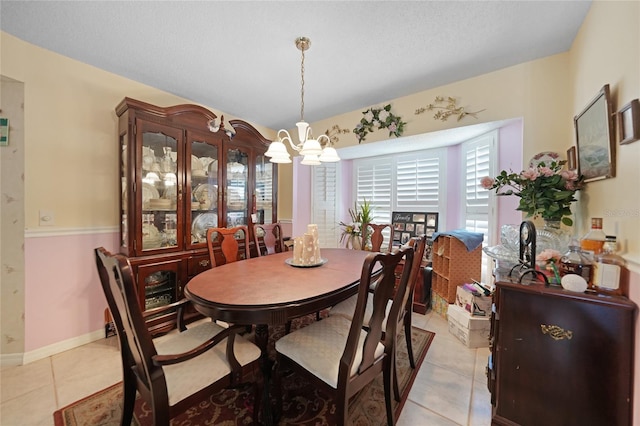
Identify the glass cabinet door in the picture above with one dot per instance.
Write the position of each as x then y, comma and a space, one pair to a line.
203, 187
161, 284
236, 190
124, 190
159, 188
264, 190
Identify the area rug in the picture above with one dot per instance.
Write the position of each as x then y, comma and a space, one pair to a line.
305, 405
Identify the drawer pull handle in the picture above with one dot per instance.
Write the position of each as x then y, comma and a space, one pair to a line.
204, 262
556, 333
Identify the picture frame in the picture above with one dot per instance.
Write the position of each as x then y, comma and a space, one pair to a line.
572, 162
410, 224
629, 122
595, 140
4, 131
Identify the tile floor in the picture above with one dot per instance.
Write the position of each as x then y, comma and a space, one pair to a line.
450, 388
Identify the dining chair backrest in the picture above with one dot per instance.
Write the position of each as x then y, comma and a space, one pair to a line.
268, 238
119, 287
401, 316
377, 237
227, 245
419, 245
342, 368
383, 267
172, 390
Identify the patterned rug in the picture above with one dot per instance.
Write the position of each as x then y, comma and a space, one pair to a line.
305, 405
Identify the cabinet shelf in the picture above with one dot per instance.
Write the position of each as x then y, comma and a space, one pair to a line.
454, 265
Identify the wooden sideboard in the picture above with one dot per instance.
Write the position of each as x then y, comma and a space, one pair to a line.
560, 358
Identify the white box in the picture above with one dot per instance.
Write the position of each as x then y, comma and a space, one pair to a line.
481, 305
471, 330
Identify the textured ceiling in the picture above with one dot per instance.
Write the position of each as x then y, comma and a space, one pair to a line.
239, 57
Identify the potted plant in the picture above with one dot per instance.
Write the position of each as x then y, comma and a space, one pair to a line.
353, 232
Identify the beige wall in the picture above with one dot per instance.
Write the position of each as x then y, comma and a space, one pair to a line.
71, 139
607, 51
516, 91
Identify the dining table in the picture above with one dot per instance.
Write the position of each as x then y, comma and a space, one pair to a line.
271, 290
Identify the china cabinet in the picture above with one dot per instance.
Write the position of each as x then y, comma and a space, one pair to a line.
182, 172
560, 357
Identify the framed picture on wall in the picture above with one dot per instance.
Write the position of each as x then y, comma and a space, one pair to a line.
595, 141
629, 122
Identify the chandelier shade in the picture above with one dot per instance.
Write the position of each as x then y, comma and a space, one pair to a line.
314, 151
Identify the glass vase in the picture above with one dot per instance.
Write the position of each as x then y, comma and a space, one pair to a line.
354, 242
552, 236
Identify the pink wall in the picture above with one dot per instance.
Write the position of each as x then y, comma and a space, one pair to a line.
509, 158
453, 207
301, 208
302, 194
63, 296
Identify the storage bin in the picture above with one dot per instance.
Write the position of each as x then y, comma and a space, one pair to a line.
471, 330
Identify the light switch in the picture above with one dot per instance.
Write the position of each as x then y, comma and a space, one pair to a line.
47, 218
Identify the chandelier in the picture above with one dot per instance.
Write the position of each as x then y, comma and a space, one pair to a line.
311, 149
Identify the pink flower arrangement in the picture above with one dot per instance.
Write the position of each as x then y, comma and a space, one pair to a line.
545, 190
550, 257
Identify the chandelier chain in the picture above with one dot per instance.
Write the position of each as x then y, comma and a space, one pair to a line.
302, 87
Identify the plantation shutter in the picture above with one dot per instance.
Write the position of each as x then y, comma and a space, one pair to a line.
405, 182
478, 161
325, 204
418, 182
374, 183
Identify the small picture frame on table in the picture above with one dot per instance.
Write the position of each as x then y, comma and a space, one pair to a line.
629, 122
410, 224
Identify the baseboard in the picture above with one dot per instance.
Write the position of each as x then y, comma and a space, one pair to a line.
11, 360
47, 351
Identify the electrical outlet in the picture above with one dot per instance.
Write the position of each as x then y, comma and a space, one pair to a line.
47, 218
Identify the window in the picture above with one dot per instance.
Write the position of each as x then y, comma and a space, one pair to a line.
325, 204
373, 183
479, 160
403, 182
418, 181
478, 157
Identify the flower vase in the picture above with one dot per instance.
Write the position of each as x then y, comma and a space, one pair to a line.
552, 236
354, 242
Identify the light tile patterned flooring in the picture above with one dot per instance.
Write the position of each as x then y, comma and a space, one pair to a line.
450, 388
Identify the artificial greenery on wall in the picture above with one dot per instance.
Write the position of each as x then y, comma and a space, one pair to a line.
446, 107
333, 133
379, 118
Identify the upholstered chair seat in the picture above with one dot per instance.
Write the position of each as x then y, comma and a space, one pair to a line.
319, 346
188, 377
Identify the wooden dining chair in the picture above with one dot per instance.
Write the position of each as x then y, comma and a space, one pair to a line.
374, 230
346, 308
268, 238
227, 245
338, 355
179, 370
